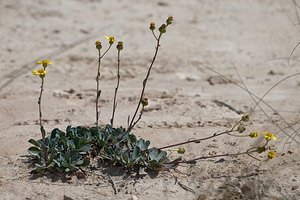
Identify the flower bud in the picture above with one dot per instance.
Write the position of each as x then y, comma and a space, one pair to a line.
120, 45
163, 28
241, 128
145, 102
152, 26
246, 118
169, 20
98, 45
254, 135
260, 149
181, 150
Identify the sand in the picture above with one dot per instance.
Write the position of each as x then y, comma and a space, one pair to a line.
250, 39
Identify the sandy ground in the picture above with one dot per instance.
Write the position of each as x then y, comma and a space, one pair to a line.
252, 37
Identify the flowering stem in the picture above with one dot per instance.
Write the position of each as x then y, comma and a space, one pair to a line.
116, 90
98, 91
132, 123
206, 157
40, 118
253, 157
236, 124
238, 135
140, 116
154, 35
98, 82
255, 150
105, 51
206, 138
196, 140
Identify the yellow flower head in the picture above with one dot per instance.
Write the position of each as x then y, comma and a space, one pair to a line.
254, 134
110, 39
268, 136
45, 63
41, 73
271, 154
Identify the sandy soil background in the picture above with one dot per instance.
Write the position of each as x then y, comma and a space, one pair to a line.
253, 38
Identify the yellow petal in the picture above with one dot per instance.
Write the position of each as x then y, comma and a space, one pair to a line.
274, 138
50, 63
106, 37
34, 72
39, 62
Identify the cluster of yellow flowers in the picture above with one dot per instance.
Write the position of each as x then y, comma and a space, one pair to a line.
111, 40
41, 72
267, 135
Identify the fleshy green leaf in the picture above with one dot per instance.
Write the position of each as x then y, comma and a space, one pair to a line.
161, 156
35, 143
153, 153
86, 162
71, 144
85, 149
40, 167
135, 153
79, 162
143, 144
34, 151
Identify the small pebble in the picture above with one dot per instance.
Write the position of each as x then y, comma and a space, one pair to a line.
134, 197
295, 187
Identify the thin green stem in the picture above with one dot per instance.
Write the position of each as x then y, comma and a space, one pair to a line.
196, 140
98, 82
238, 135
98, 92
116, 90
40, 118
154, 35
205, 157
206, 138
106, 51
236, 124
253, 157
132, 123
140, 116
